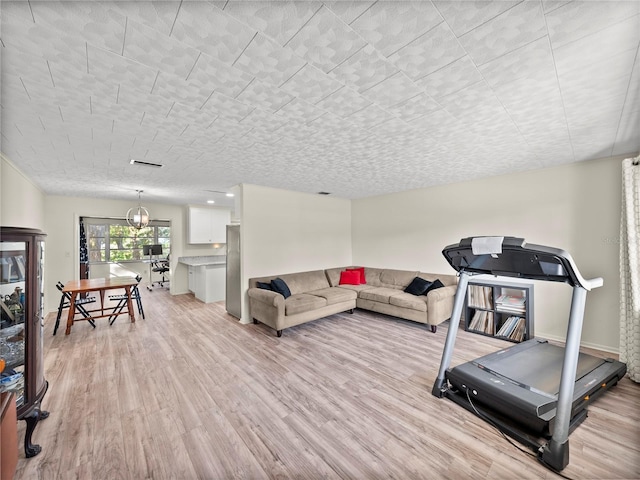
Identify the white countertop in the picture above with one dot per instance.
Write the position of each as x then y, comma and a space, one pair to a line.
203, 260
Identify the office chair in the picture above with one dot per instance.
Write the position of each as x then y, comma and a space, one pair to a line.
161, 267
65, 302
122, 301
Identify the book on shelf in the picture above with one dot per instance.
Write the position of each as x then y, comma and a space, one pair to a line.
482, 321
513, 329
480, 296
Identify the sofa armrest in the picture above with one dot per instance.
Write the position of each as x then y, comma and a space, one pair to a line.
267, 296
267, 307
440, 304
441, 293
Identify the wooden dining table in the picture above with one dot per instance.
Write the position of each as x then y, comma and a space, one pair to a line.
101, 285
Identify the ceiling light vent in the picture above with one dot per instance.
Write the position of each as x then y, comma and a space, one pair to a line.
145, 164
324, 193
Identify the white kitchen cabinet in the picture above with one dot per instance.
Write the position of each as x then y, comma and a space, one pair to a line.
207, 282
193, 279
208, 225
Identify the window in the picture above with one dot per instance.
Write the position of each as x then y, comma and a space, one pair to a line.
113, 240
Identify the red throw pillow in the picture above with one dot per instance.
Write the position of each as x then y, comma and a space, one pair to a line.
349, 277
363, 280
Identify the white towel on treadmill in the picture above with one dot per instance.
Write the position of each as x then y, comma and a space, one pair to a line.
486, 245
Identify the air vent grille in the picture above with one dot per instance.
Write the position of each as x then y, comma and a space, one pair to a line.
145, 164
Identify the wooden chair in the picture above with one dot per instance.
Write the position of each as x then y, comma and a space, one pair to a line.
65, 302
122, 301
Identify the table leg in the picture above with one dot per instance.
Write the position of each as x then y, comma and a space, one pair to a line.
101, 302
72, 311
132, 314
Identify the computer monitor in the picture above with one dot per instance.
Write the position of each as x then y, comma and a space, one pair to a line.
152, 249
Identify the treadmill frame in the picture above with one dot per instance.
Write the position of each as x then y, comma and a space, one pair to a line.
463, 257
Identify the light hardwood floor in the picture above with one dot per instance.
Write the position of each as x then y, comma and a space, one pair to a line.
191, 393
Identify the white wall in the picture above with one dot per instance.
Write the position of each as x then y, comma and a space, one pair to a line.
21, 202
284, 232
575, 207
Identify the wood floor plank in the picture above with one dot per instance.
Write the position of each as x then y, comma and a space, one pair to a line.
189, 393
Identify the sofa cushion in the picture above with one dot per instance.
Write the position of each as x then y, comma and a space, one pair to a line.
335, 295
397, 278
418, 286
446, 279
349, 277
333, 275
303, 282
356, 288
373, 276
264, 285
408, 300
280, 286
303, 302
379, 294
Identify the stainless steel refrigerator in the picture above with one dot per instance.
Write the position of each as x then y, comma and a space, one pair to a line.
234, 287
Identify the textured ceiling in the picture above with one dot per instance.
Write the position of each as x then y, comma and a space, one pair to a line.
356, 98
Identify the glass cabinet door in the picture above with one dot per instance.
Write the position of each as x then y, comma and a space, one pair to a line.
13, 311
38, 318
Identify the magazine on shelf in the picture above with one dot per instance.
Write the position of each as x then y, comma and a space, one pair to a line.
510, 304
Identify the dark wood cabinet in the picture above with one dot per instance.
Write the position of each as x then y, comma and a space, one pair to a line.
22, 323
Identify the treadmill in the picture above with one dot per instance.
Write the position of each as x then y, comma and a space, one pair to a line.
533, 391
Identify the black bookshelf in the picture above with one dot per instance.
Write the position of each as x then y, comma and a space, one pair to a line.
500, 309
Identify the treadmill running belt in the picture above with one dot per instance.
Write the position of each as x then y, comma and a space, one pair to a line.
538, 368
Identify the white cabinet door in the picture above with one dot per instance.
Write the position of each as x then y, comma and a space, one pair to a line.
216, 280
199, 225
208, 225
219, 220
192, 279
200, 283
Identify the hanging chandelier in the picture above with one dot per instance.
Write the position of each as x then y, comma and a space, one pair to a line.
138, 217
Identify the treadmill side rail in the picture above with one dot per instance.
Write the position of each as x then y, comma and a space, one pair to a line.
439, 385
557, 453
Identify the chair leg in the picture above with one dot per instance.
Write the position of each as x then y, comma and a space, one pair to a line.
140, 309
117, 310
85, 314
60, 308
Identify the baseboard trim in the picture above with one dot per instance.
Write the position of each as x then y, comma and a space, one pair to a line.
595, 346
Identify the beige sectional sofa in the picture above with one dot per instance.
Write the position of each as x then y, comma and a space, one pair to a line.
318, 293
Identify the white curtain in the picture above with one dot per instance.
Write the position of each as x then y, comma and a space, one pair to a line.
630, 268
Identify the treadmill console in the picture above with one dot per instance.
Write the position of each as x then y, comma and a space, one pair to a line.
515, 258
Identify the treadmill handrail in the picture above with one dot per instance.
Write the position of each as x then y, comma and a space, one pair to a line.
587, 284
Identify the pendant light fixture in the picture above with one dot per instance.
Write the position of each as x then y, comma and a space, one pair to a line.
138, 217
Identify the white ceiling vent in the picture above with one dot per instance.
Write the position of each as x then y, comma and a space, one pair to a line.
144, 164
